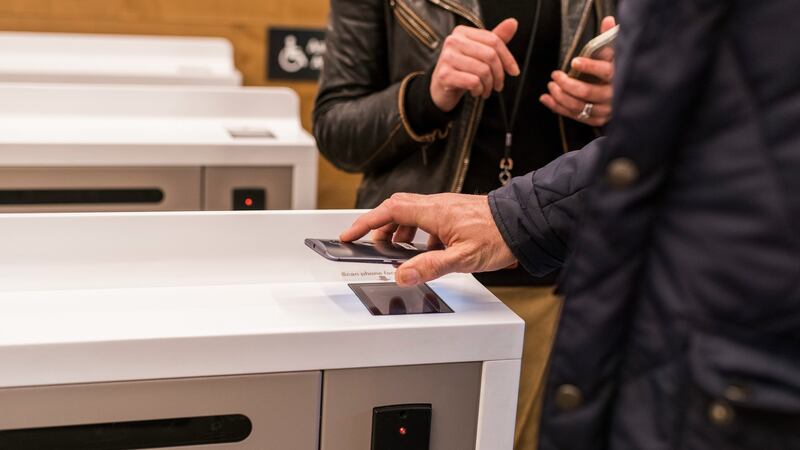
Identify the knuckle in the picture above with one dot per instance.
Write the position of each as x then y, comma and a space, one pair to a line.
394, 201
390, 203
398, 196
449, 61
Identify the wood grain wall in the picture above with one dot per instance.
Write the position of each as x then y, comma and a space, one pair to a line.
243, 22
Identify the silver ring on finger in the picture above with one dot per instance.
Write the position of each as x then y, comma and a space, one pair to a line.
586, 113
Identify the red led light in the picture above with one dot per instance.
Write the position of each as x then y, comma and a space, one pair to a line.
248, 201
402, 431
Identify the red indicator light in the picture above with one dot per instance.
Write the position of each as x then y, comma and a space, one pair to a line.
248, 201
402, 431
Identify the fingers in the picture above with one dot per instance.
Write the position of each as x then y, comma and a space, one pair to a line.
551, 104
601, 114
571, 104
608, 23
575, 105
585, 92
494, 41
506, 30
372, 220
474, 61
607, 54
405, 233
385, 232
603, 70
400, 209
483, 55
468, 65
453, 79
428, 266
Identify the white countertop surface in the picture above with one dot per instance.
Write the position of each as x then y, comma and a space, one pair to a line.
109, 297
103, 58
77, 125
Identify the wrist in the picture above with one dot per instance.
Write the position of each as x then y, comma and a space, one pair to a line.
441, 99
420, 110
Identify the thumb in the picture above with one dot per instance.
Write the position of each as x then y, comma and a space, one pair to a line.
608, 23
506, 30
426, 267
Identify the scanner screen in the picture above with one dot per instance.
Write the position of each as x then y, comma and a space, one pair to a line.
389, 299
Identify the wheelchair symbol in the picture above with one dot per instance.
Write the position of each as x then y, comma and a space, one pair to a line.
292, 58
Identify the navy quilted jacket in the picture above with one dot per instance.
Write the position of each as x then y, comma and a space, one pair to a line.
681, 324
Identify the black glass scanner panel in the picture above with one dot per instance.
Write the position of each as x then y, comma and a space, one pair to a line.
389, 299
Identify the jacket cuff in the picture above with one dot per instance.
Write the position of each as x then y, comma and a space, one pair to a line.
422, 119
522, 223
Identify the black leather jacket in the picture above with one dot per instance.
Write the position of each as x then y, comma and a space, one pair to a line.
373, 49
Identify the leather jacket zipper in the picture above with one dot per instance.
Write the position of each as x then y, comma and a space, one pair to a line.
414, 24
587, 9
456, 8
461, 171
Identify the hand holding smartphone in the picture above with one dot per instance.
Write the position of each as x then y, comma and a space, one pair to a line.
594, 49
378, 252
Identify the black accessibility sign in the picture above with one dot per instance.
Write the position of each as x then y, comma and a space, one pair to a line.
295, 53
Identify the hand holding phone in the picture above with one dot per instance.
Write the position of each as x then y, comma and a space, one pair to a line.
599, 48
586, 93
378, 252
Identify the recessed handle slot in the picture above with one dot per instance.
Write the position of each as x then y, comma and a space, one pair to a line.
135, 435
79, 196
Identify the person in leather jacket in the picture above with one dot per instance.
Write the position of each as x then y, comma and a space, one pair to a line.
377, 52
418, 95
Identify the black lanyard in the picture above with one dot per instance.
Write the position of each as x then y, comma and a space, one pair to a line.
506, 163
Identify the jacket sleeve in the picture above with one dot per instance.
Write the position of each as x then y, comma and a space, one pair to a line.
537, 212
359, 121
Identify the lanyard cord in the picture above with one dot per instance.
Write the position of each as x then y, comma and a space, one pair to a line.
506, 164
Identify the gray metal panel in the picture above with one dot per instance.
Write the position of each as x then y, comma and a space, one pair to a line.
181, 186
284, 408
221, 181
349, 396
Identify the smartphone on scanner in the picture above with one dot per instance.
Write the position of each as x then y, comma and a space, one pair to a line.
380, 252
593, 50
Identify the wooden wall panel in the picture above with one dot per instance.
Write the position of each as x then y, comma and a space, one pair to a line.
243, 22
